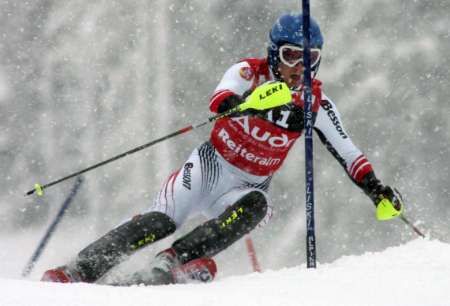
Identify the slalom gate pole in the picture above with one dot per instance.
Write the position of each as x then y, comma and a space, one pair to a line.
51, 229
308, 121
252, 254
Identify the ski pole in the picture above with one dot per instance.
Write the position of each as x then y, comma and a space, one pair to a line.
404, 219
40, 188
414, 228
266, 96
51, 229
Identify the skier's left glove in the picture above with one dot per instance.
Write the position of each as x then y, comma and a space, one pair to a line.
388, 201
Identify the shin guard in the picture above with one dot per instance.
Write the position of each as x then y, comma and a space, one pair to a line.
100, 256
217, 234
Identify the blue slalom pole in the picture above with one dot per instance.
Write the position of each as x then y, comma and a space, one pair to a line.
308, 121
51, 229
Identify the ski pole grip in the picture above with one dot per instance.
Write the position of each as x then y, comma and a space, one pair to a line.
267, 96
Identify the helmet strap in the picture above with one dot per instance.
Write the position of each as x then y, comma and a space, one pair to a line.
275, 72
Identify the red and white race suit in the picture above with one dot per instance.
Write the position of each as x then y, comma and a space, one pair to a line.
259, 144
245, 151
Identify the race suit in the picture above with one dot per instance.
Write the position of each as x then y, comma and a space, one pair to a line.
244, 151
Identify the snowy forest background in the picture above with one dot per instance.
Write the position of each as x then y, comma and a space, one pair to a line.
82, 81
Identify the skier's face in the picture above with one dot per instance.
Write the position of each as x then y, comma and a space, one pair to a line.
293, 76
291, 63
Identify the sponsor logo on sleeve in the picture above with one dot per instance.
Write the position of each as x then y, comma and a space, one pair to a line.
334, 119
246, 73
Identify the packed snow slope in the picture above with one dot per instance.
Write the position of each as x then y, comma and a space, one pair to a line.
417, 273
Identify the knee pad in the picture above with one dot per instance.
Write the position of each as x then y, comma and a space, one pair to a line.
217, 234
247, 212
146, 229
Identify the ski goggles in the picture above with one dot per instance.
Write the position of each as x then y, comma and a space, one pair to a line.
292, 55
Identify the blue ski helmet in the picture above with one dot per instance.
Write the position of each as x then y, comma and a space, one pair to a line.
288, 29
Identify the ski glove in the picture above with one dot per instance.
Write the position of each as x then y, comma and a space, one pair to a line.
255, 102
388, 201
233, 101
229, 103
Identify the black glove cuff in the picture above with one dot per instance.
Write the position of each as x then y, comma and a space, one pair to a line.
371, 186
229, 103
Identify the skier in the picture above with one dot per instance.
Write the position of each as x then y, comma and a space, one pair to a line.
227, 177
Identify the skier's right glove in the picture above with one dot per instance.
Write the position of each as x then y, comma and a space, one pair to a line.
229, 102
232, 101
266, 96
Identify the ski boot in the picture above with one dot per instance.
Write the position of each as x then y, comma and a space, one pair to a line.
62, 274
167, 269
198, 270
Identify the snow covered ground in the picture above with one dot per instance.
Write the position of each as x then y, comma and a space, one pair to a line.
417, 273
